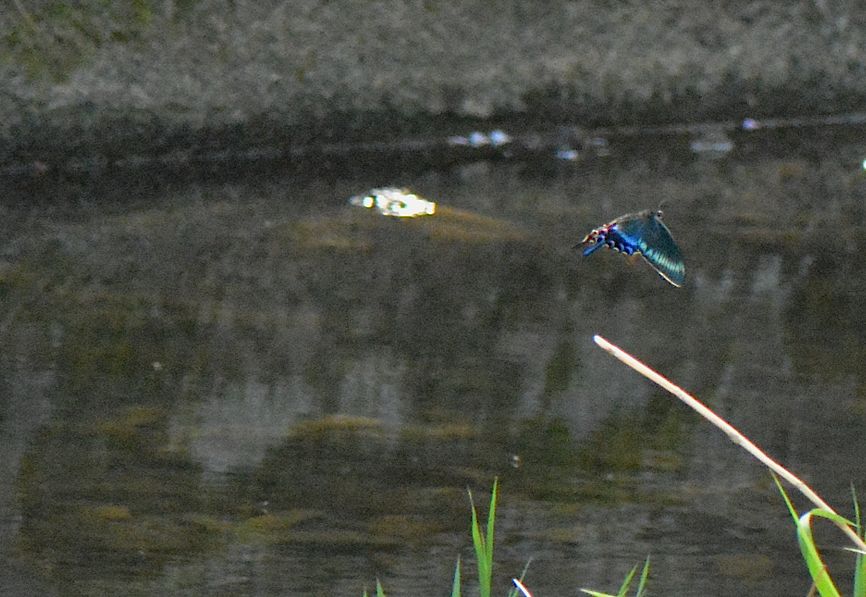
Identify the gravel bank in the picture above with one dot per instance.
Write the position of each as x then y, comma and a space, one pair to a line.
151, 78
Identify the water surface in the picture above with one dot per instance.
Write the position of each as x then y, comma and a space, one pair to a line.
237, 383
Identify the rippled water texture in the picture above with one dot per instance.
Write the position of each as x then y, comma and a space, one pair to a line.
244, 385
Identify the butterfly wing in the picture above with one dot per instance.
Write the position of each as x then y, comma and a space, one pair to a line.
645, 233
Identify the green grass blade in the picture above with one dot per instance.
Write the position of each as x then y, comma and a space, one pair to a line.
788, 503
478, 544
823, 582
491, 518
860, 576
455, 586
625, 584
484, 545
380, 592
860, 561
644, 577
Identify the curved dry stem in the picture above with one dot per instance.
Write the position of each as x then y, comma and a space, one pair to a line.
734, 435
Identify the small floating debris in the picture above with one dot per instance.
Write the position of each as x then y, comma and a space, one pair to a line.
570, 140
712, 143
475, 139
750, 124
495, 138
394, 202
569, 154
600, 145
499, 137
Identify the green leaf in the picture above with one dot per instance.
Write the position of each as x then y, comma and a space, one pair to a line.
860, 576
478, 544
823, 582
793, 512
626, 583
484, 544
860, 561
644, 577
455, 586
491, 518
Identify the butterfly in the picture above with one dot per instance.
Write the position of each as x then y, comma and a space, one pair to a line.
643, 233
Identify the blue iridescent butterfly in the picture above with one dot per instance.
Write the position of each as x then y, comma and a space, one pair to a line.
643, 233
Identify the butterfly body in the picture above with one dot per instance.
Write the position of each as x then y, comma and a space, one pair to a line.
643, 233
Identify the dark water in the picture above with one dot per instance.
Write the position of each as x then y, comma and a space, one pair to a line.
239, 384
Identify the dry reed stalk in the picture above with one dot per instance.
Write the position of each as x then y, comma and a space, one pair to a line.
734, 435
520, 586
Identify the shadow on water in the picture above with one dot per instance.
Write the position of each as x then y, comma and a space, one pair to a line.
241, 384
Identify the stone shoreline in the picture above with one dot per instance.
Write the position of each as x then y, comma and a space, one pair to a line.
102, 82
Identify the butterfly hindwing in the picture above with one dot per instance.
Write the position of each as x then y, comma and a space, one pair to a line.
644, 233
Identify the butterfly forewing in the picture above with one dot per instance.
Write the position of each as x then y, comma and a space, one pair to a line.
643, 233
649, 236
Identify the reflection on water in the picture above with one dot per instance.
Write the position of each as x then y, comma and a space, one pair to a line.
250, 386
394, 202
